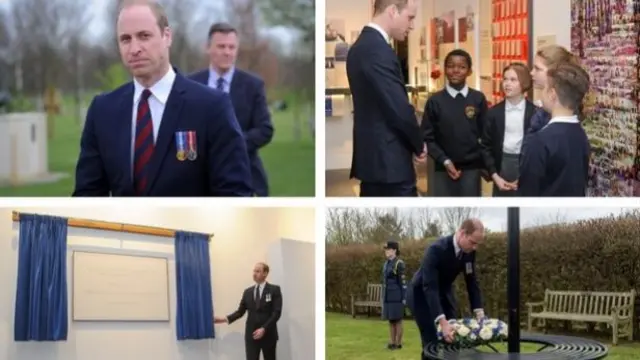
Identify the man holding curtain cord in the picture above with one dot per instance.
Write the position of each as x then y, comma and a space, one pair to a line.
263, 301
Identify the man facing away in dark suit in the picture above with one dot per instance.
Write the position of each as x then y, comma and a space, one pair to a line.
430, 295
161, 134
263, 301
386, 134
247, 94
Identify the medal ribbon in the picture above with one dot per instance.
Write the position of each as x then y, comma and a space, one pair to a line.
180, 140
191, 139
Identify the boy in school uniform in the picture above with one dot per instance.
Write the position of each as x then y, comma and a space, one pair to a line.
556, 162
452, 127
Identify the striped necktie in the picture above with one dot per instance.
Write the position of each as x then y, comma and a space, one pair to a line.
144, 144
220, 84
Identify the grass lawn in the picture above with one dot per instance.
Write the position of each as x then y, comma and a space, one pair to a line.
362, 338
290, 164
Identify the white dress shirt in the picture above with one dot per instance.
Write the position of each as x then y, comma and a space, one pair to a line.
381, 31
157, 101
453, 92
563, 119
513, 127
260, 287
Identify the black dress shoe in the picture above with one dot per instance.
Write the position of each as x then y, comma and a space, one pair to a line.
391, 346
399, 346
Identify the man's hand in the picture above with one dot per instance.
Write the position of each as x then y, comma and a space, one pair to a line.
258, 334
451, 170
220, 320
447, 330
502, 184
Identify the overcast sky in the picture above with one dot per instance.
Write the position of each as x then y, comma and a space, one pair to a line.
495, 218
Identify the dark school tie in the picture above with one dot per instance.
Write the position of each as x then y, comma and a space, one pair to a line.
144, 144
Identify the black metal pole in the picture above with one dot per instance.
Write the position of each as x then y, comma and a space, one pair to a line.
513, 277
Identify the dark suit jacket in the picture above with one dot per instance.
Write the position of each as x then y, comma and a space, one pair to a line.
250, 105
220, 169
434, 279
264, 314
493, 134
385, 129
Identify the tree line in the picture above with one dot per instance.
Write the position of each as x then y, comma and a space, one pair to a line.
47, 43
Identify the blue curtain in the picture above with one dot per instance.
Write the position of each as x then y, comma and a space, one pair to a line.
41, 295
193, 283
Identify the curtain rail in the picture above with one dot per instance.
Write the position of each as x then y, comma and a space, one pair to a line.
113, 226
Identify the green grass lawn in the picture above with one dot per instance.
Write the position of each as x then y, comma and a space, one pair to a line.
290, 164
362, 338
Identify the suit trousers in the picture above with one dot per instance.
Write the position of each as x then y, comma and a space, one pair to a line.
253, 349
417, 303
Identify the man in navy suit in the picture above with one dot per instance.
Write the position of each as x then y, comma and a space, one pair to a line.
162, 134
430, 294
386, 135
247, 94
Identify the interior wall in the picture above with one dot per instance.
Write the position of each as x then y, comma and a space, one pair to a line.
552, 18
243, 236
460, 9
295, 269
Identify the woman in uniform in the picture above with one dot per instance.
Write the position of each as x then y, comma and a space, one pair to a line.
393, 293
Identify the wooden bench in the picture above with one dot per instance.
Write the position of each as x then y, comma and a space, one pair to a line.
612, 308
373, 299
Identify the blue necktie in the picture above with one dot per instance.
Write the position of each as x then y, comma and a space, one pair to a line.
144, 144
220, 84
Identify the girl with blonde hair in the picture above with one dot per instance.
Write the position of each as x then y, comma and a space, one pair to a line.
546, 58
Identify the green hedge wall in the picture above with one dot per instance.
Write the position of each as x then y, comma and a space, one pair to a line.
597, 255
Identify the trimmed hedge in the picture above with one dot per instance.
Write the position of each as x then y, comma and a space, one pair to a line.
596, 255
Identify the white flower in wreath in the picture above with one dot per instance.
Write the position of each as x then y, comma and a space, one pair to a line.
490, 323
474, 325
486, 333
463, 331
504, 331
473, 337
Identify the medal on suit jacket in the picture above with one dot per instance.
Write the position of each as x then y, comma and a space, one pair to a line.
181, 145
192, 154
267, 297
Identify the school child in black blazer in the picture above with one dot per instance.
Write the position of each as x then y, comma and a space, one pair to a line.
452, 127
556, 162
504, 129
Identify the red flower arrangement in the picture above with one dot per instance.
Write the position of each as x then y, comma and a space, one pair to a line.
435, 74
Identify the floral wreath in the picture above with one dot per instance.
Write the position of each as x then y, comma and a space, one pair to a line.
469, 332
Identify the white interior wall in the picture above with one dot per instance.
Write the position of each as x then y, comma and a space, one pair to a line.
243, 236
